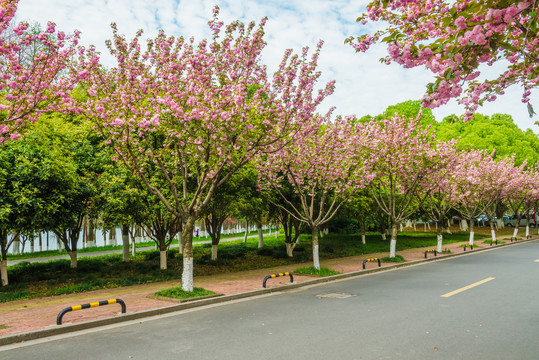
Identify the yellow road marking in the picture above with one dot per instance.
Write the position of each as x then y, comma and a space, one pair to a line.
536, 260
467, 287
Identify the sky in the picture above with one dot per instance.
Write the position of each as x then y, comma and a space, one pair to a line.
364, 86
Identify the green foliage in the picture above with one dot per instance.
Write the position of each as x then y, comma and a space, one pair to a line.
311, 270
495, 133
409, 109
179, 293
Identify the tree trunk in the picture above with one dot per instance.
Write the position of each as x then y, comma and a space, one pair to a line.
73, 257
393, 245
290, 249
439, 237
91, 234
260, 235
40, 242
492, 230
384, 236
471, 232
187, 274
180, 243
316, 257
16, 245
246, 231
125, 242
112, 237
163, 259
464, 225
3, 272
448, 226
214, 252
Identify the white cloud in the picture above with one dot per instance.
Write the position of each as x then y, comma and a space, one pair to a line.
364, 86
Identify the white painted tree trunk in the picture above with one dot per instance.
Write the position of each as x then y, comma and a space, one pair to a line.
527, 231
425, 227
515, 232
316, 257
187, 274
464, 225
214, 252
3, 272
163, 259
133, 250
439, 243
363, 239
393, 244
448, 227
471, 238
499, 223
493, 234
384, 237
393, 248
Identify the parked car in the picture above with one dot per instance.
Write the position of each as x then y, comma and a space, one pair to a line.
482, 220
511, 221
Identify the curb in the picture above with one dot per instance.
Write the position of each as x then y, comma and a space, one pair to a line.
68, 328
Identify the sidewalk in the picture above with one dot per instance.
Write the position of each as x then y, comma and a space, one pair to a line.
27, 315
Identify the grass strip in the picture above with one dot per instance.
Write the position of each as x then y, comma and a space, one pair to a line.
179, 293
311, 270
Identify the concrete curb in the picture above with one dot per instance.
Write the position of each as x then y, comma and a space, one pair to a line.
68, 328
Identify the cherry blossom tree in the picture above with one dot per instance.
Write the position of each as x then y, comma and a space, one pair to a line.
495, 178
329, 163
454, 39
439, 189
520, 194
197, 111
406, 158
35, 82
469, 196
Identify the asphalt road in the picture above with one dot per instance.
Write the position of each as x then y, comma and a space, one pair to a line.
397, 314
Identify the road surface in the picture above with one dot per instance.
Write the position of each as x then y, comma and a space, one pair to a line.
479, 306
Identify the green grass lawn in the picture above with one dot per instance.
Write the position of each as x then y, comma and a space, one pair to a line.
31, 280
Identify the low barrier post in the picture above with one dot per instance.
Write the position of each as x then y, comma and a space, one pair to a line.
277, 275
471, 247
430, 251
491, 242
88, 306
371, 260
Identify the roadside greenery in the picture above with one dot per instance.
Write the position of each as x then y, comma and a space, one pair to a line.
32, 280
178, 293
311, 270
